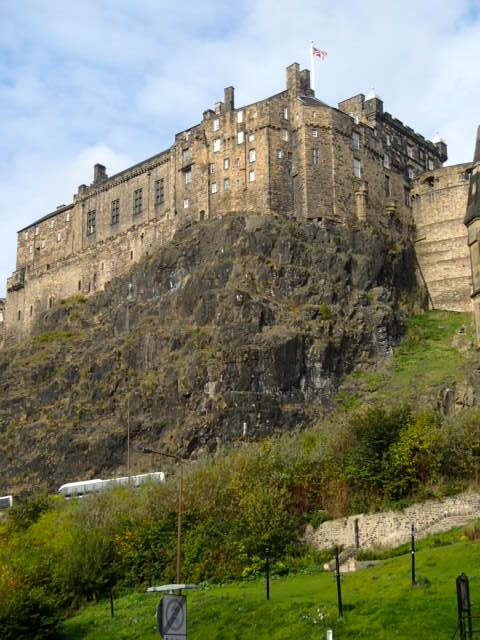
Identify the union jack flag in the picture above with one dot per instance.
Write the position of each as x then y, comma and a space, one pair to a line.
318, 52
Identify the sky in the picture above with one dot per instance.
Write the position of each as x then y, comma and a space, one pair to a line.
112, 81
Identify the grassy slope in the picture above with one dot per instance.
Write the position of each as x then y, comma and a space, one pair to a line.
434, 355
379, 603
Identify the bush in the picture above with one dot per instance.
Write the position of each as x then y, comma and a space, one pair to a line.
29, 613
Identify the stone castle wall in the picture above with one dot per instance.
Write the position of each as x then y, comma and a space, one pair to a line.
439, 201
289, 154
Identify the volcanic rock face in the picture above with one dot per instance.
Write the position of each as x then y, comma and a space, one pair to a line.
239, 327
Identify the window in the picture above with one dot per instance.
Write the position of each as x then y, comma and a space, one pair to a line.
357, 168
252, 155
188, 176
115, 211
387, 185
240, 137
216, 124
430, 164
52, 224
409, 151
279, 154
226, 163
251, 137
213, 187
43, 244
386, 162
226, 184
25, 235
211, 168
186, 156
239, 117
285, 113
59, 236
421, 155
159, 192
314, 133
406, 196
185, 204
216, 145
316, 156
285, 134
137, 202
411, 173
67, 217
31, 248
91, 222
356, 140
251, 176
237, 162
37, 230
388, 140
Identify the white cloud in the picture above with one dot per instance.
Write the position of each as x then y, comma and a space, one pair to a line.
112, 82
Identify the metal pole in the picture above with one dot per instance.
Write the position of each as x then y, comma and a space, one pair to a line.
180, 501
413, 555
179, 527
111, 603
267, 555
357, 534
128, 437
339, 588
312, 70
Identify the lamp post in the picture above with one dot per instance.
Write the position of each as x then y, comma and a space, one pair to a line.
180, 490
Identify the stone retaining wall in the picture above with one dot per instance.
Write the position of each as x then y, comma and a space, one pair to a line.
392, 528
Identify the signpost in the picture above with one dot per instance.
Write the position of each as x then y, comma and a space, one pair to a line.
172, 617
172, 611
464, 608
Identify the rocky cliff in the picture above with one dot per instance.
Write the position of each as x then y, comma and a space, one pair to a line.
238, 328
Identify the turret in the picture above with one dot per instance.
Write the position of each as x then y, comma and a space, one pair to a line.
473, 204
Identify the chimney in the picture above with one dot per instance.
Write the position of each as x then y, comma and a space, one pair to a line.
305, 83
293, 78
229, 98
99, 173
476, 156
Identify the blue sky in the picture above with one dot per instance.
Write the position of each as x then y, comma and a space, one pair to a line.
86, 81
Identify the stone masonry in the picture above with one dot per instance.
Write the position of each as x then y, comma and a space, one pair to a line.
289, 155
392, 528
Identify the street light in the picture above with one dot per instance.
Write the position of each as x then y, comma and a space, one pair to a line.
180, 489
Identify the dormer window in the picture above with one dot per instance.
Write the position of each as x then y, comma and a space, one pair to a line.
216, 124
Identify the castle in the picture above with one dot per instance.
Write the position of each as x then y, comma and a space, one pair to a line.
287, 155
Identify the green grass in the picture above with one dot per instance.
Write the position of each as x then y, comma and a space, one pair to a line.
432, 356
379, 603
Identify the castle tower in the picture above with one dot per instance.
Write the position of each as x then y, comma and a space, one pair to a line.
472, 220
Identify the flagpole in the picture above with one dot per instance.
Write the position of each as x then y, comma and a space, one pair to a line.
312, 70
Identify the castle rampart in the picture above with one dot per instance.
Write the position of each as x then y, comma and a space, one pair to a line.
289, 154
438, 199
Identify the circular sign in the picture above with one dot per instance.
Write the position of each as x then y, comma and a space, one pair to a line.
174, 616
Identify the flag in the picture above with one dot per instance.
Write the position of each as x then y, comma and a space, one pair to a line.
318, 52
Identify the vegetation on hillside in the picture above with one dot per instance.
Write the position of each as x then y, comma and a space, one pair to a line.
375, 452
